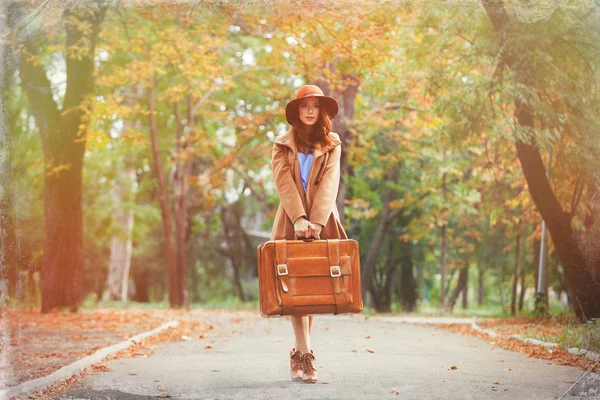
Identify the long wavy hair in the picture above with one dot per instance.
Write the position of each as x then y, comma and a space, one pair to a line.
309, 136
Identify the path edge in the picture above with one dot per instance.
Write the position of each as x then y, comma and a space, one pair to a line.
67, 371
547, 345
574, 351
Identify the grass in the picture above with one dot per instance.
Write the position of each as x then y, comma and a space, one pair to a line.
582, 335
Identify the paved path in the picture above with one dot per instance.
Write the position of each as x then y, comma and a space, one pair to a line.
248, 359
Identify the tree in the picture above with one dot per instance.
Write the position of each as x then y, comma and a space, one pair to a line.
63, 134
579, 269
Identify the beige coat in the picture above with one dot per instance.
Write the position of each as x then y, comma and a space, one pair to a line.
318, 203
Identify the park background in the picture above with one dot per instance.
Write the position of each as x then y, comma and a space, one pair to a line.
137, 142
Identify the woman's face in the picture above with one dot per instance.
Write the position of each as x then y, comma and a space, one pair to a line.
308, 111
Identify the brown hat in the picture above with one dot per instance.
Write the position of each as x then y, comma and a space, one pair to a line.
326, 102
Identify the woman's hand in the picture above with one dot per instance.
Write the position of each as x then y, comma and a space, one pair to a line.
302, 228
315, 230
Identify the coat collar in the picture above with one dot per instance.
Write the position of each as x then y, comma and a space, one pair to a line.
287, 139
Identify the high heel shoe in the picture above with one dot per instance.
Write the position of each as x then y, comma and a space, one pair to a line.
309, 374
296, 365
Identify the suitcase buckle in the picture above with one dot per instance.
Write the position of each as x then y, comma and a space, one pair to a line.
282, 269
335, 271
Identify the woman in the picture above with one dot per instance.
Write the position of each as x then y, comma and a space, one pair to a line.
306, 168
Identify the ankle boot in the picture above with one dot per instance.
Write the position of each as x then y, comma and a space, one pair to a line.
308, 365
296, 365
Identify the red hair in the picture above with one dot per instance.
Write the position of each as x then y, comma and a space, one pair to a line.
310, 136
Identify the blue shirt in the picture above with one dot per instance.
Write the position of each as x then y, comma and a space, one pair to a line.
305, 162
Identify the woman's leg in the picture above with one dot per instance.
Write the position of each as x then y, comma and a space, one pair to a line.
310, 323
302, 332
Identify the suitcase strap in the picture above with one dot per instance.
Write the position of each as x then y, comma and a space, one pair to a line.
335, 271
283, 276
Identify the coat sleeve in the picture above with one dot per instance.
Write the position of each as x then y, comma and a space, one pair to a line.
326, 194
286, 187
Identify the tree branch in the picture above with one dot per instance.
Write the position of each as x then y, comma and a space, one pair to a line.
80, 68
37, 86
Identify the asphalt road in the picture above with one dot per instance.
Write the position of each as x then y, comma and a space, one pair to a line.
357, 358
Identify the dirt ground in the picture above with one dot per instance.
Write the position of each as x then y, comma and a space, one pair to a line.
34, 345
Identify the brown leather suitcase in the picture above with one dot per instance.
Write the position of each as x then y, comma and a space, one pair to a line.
298, 277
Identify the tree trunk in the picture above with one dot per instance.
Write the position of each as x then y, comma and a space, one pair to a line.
375, 245
390, 268
460, 285
513, 299
121, 247
237, 282
9, 254
443, 267
182, 171
443, 254
9, 251
577, 269
175, 289
141, 284
480, 292
501, 284
246, 248
559, 224
449, 282
342, 125
408, 285
523, 289
591, 241
465, 293
63, 142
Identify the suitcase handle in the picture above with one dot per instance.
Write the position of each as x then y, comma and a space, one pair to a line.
310, 239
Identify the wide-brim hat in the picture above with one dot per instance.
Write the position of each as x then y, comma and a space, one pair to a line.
325, 102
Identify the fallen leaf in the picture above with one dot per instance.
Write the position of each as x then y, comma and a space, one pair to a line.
453, 367
367, 337
354, 351
208, 346
497, 383
132, 373
160, 388
395, 391
101, 368
370, 351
